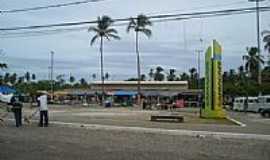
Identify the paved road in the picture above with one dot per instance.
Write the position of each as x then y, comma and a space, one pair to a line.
133, 117
58, 142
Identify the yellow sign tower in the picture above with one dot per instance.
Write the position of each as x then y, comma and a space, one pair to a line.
213, 83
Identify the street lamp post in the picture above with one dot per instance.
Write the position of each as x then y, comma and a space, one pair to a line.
52, 61
258, 37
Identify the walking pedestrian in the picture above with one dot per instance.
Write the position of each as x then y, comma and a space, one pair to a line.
17, 110
246, 105
43, 108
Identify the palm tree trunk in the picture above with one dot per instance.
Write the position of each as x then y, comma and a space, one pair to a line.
101, 70
138, 69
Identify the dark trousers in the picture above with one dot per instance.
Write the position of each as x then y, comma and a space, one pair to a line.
43, 114
18, 116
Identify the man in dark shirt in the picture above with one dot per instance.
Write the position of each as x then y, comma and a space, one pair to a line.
17, 109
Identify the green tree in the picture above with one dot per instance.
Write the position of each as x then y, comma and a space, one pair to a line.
241, 72
159, 76
60, 79
193, 78
6, 78
71, 79
253, 60
27, 76
193, 72
151, 74
171, 76
3, 66
83, 82
139, 25
107, 76
184, 77
21, 80
13, 78
143, 77
103, 30
266, 40
33, 77
94, 76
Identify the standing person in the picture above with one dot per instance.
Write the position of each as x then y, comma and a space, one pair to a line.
43, 108
246, 105
17, 110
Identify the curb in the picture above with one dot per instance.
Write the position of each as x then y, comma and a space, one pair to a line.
236, 122
180, 132
191, 133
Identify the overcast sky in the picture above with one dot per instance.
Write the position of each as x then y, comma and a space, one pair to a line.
172, 45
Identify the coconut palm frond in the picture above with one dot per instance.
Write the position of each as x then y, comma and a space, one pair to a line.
131, 24
3, 66
93, 40
267, 47
245, 57
111, 30
93, 29
147, 32
113, 36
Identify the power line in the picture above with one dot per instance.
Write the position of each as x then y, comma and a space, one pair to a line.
161, 16
48, 6
200, 7
157, 18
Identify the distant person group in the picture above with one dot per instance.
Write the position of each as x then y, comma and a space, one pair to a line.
42, 108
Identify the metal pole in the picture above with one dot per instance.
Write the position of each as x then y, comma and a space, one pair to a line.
258, 41
258, 37
52, 84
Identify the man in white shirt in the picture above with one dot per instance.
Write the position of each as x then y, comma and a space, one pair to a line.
43, 108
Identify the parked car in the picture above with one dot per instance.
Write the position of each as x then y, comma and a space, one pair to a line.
253, 106
264, 102
265, 113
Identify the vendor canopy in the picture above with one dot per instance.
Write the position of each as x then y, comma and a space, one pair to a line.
123, 93
160, 93
7, 90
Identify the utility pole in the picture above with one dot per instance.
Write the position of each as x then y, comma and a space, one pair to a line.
199, 52
52, 83
258, 37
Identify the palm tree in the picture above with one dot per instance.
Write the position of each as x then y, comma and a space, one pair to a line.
27, 76
151, 74
72, 79
94, 76
159, 76
253, 60
33, 77
171, 76
192, 72
103, 30
139, 24
3, 65
266, 40
184, 77
107, 76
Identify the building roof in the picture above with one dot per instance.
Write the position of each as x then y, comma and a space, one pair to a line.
6, 89
143, 82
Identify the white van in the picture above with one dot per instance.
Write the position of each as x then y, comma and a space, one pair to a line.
6, 98
264, 102
253, 106
238, 104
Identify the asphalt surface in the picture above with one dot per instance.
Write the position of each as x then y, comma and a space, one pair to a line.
62, 142
58, 142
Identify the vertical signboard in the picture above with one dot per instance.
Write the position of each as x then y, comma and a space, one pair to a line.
213, 83
208, 78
